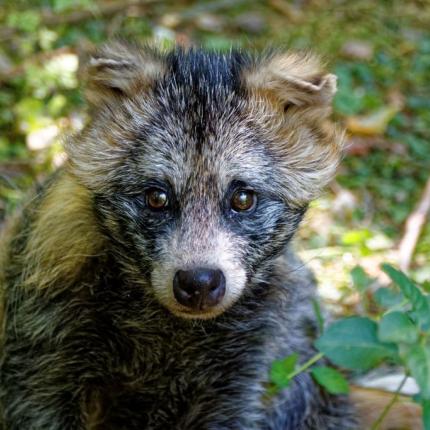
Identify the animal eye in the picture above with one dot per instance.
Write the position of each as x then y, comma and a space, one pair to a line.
156, 199
243, 200
288, 106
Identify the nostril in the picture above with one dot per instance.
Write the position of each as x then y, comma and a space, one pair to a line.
183, 281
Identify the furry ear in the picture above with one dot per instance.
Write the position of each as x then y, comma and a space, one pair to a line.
292, 79
119, 69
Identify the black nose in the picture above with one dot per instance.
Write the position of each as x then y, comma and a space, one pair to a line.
199, 289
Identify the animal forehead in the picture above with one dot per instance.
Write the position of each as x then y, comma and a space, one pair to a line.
207, 163
200, 87
198, 131
202, 70
202, 133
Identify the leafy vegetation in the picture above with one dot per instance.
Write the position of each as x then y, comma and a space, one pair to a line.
397, 334
380, 52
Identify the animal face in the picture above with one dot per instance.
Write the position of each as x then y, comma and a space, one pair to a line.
202, 165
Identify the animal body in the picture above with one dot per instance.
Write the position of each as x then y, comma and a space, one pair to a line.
149, 283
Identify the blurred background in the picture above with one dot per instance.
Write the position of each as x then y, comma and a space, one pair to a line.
374, 211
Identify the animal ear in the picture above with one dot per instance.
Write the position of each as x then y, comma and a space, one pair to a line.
292, 79
119, 69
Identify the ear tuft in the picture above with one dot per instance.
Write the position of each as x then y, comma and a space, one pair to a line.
292, 79
119, 69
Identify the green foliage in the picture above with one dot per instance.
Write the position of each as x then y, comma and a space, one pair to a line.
332, 380
64, 5
26, 20
318, 314
426, 413
417, 299
398, 335
387, 298
353, 344
360, 279
417, 360
401, 335
281, 371
397, 327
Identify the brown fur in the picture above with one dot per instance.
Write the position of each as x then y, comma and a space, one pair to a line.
120, 68
298, 84
53, 254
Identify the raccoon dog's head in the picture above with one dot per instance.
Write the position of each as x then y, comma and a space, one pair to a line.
202, 164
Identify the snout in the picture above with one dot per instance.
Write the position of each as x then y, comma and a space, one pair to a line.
199, 289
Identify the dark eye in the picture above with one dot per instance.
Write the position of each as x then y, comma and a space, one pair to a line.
288, 106
156, 199
243, 200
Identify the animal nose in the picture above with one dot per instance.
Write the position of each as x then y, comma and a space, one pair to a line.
200, 288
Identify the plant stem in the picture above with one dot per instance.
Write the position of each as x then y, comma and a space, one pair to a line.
305, 365
319, 316
387, 408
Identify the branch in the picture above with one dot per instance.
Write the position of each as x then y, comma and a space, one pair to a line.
376, 425
371, 402
413, 227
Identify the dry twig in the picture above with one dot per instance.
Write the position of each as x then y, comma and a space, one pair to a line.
369, 402
413, 227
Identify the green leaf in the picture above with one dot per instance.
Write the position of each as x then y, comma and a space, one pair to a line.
356, 237
318, 315
387, 298
332, 380
417, 359
360, 279
397, 327
63, 5
425, 404
426, 286
27, 20
353, 343
418, 301
282, 369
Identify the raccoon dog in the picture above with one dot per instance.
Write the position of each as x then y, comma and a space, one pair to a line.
149, 284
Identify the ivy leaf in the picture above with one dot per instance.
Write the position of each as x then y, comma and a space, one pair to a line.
397, 327
332, 380
282, 369
353, 343
418, 301
360, 279
417, 359
387, 298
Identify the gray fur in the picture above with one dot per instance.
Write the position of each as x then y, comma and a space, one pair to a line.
93, 338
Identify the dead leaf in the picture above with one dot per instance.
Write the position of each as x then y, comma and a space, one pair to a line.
357, 50
372, 124
363, 145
